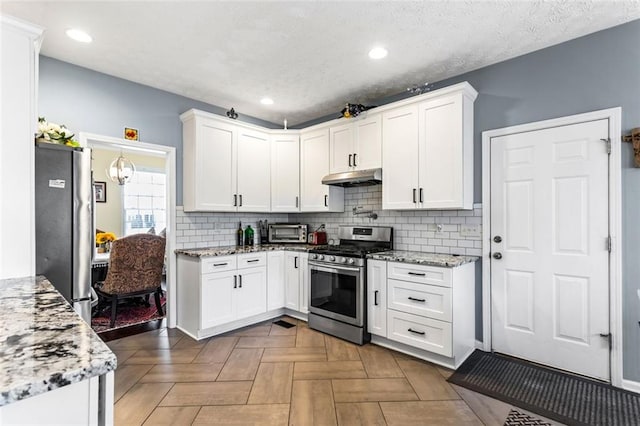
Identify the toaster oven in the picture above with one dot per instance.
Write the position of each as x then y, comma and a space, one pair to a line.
280, 233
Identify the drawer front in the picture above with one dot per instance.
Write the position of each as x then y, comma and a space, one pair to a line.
251, 260
420, 274
419, 299
423, 333
218, 264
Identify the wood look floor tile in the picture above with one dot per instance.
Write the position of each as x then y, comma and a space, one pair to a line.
123, 355
329, 370
144, 341
277, 330
359, 413
126, 376
339, 350
312, 403
163, 356
294, 354
257, 331
267, 342
379, 362
369, 390
136, 405
307, 337
272, 384
172, 332
175, 373
427, 381
210, 393
429, 413
241, 365
178, 416
216, 350
491, 411
188, 343
249, 415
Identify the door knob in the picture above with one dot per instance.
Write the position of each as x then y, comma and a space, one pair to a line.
497, 239
497, 255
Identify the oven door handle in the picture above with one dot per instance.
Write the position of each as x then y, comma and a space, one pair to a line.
323, 268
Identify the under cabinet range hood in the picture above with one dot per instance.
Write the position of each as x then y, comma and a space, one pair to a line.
354, 178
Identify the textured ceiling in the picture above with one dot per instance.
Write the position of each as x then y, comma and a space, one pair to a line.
310, 57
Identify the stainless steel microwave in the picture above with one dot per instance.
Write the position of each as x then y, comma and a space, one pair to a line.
287, 233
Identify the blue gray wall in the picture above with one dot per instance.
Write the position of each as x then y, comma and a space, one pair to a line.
90, 101
598, 71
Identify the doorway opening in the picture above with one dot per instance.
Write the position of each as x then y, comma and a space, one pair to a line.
146, 204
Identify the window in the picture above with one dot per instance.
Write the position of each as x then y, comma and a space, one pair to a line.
145, 202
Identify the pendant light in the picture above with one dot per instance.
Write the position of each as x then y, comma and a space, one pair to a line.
121, 170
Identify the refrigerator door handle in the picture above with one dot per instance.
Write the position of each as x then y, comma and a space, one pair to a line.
83, 236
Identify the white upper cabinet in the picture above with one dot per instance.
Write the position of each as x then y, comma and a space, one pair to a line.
427, 151
314, 165
226, 166
254, 171
285, 172
356, 145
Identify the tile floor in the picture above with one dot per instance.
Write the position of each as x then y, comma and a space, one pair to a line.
267, 374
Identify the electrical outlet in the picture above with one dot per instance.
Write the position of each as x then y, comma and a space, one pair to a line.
470, 231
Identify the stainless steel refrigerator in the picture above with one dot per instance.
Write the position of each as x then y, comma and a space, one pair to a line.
64, 221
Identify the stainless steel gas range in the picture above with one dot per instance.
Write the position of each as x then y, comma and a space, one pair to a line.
338, 281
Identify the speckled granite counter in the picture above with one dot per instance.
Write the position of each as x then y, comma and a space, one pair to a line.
420, 258
227, 250
44, 344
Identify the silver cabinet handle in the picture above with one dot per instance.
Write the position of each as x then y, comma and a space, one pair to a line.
375, 298
414, 195
220, 264
296, 201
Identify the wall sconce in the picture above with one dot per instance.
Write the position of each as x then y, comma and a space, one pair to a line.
634, 139
121, 170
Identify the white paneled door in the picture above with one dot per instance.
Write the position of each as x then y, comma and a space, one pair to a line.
549, 246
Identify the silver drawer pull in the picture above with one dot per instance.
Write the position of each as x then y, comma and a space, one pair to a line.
417, 274
417, 300
253, 260
221, 264
416, 332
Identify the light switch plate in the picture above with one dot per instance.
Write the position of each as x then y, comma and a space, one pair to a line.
470, 231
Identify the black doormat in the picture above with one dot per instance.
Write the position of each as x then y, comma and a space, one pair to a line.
553, 394
284, 324
516, 418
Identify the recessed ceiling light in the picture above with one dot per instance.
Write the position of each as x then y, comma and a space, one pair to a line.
79, 35
378, 53
266, 101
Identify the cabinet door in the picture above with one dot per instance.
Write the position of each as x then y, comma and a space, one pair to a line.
217, 299
275, 280
254, 171
377, 297
292, 280
251, 294
341, 148
285, 173
368, 143
441, 153
304, 282
214, 159
400, 158
314, 165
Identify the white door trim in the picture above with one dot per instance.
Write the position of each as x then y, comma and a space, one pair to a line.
615, 225
169, 153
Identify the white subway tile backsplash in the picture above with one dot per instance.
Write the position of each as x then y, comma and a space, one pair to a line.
413, 230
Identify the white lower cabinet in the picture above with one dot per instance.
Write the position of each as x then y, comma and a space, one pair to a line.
275, 280
234, 291
426, 311
296, 281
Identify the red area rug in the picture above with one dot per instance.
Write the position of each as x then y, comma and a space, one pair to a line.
127, 315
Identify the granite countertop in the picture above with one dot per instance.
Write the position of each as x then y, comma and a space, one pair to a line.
420, 258
228, 250
44, 344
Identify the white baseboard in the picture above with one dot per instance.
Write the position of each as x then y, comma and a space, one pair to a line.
630, 385
479, 345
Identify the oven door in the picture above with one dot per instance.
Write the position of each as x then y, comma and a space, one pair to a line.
336, 292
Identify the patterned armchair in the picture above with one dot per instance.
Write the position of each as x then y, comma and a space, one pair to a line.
135, 269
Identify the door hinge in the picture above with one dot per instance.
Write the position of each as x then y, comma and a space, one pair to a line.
608, 142
609, 243
609, 337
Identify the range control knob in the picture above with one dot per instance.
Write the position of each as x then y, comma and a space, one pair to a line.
314, 256
320, 257
332, 258
343, 260
351, 261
